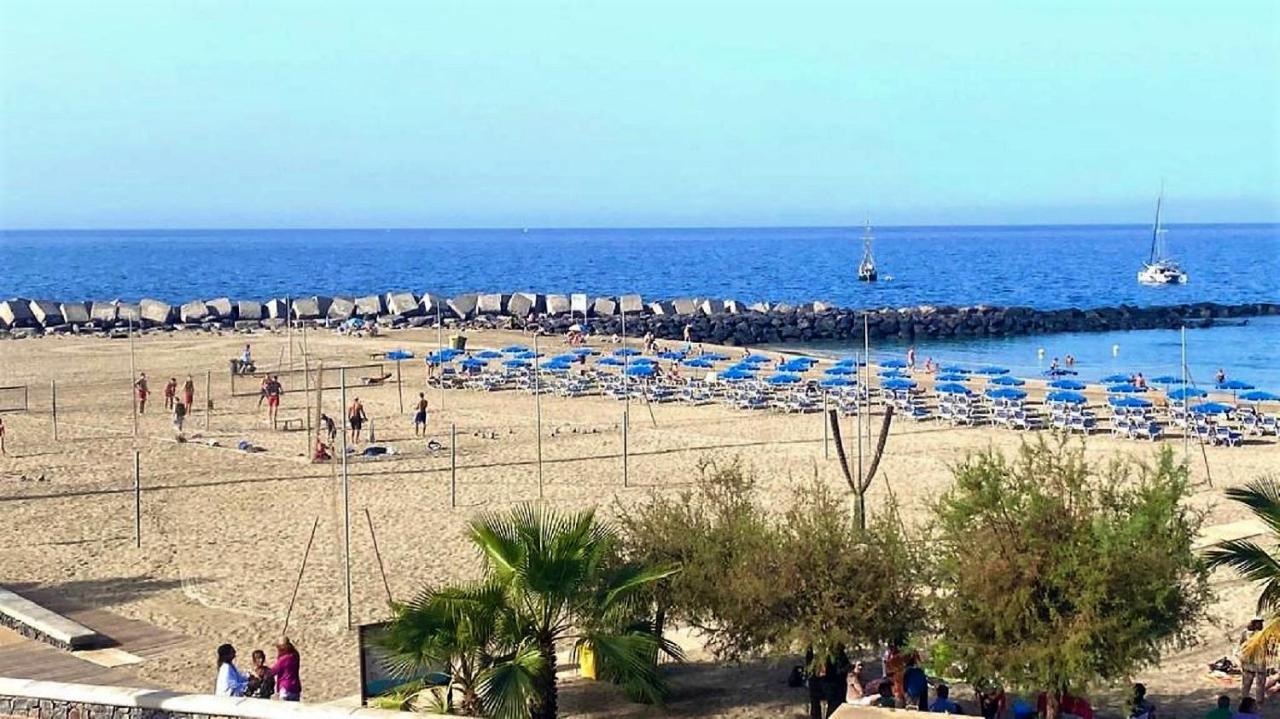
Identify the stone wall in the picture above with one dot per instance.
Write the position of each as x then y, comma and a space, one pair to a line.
709, 320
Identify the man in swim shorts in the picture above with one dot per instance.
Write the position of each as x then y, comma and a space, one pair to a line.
140, 386
355, 419
420, 416
273, 390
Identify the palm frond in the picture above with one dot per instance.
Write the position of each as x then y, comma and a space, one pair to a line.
1262, 496
507, 689
630, 659
1246, 557
631, 579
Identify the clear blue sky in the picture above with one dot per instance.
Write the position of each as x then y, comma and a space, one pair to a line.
459, 114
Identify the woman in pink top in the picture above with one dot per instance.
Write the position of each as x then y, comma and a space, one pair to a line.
288, 685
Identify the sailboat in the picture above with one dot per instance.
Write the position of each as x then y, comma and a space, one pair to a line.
1160, 269
867, 268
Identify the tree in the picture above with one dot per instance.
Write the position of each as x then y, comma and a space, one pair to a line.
549, 578
1054, 573
1251, 559
756, 582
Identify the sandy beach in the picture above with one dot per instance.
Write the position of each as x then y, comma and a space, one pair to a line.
223, 530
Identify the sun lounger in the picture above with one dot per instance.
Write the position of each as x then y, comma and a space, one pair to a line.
1224, 435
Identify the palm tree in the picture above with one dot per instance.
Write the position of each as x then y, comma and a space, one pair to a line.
550, 578
1251, 559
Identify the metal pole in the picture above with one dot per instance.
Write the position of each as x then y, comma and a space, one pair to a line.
440, 351
399, 386
1186, 418
208, 397
453, 466
53, 406
626, 389
826, 449
137, 498
626, 423
381, 568
537, 411
306, 398
866, 388
288, 327
306, 553
346, 498
133, 377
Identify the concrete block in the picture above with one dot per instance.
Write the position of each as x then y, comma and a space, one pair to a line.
369, 306
194, 312
222, 308
604, 307
819, 306
341, 308
631, 305
46, 312
315, 307
519, 305
760, 307
103, 312
155, 312
17, 313
733, 307
684, 306
578, 304
249, 310
75, 313
464, 305
537, 302
128, 312
782, 308
557, 305
711, 307
431, 303
402, 303
491, 304
277, 309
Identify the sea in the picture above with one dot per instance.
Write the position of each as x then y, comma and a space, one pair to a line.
1044, 267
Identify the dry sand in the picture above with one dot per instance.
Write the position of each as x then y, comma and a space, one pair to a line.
223, 531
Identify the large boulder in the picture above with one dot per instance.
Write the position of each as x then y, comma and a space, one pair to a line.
491, 304
733, 307
631, 305
431, 304
557, 305
537, 302
604, 307
520, 305
341, 308
315, 307
402, 303
662, 308
685, 306
711, 307
128, 312
194, 312
760, 307
222, 308
277, 309
74, 313
155, 313
104, 313
464, 305
17, 313
370, 306
46, 312
578, 304
820, 306
249, 310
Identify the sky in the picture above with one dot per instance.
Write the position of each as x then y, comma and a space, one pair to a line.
266, 113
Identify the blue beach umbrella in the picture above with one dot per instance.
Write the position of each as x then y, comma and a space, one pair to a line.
643, 361
1182, 393
1258, 395
398, 355
611, 362
1070, 384
626, 352
525, 355
892, 373
736, 374
991, 370
953, 377
489, 354
755, 359
1125, 389
641, 370
700, 363
898, 383
714, 357
951, 388
472, 363
954, 369
583, 351
836, 382
566, 357
441, 356
841, 370
1167, 379
1233, 385
1006, 393
851, 362
513, 349
794, 366
515, 363
1007, 381
1061, 372
783, 378
671, 355
893, 363
1115, 378
1211, 408
1129, 402
1066, 397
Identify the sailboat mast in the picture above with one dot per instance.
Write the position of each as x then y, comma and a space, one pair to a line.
1156, 252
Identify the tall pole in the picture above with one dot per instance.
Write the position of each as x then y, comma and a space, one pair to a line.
626, 422
378, 555
302, 568
453, 466
133, 378
399, 387
440, 351
53, 406
208, 397
626, 364
288, 327
866, 389
137, 498
826, 450
537, 410
346, 498
306, 398
1186, 417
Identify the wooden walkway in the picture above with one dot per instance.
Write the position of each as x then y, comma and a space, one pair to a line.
29, 659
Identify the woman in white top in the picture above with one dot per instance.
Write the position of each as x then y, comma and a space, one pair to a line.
230, 683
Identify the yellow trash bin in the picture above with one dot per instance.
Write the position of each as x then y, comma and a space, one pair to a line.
586, 662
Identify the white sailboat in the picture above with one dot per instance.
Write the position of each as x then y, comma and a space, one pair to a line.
867, 268
1160, 269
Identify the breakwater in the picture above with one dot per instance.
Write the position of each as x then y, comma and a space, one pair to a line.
706, 320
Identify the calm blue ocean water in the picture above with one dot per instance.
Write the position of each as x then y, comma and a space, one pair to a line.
1081, 266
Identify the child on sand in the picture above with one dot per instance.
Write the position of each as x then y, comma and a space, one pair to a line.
179, 416
273, 390
189, 393
329, 426
170, 392
262, 684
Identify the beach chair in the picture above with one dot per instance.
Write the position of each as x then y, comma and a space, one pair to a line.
919, 413
1148, 430
1082, 423
1224, 435
1204, 433
1269, 425
1023, 419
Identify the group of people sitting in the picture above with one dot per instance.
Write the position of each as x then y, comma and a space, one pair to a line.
280, 679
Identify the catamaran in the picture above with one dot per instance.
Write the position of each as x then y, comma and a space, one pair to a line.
1160, 269
867, 268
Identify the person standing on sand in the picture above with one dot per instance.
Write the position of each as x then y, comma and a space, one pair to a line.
230, 682
329, 426
355, 419
273, 389
285, 669
170, 392
1253, 673
911, 357
140, 388
179, 416
189, 394
2, 449
420, 416
688, 333
262, 684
